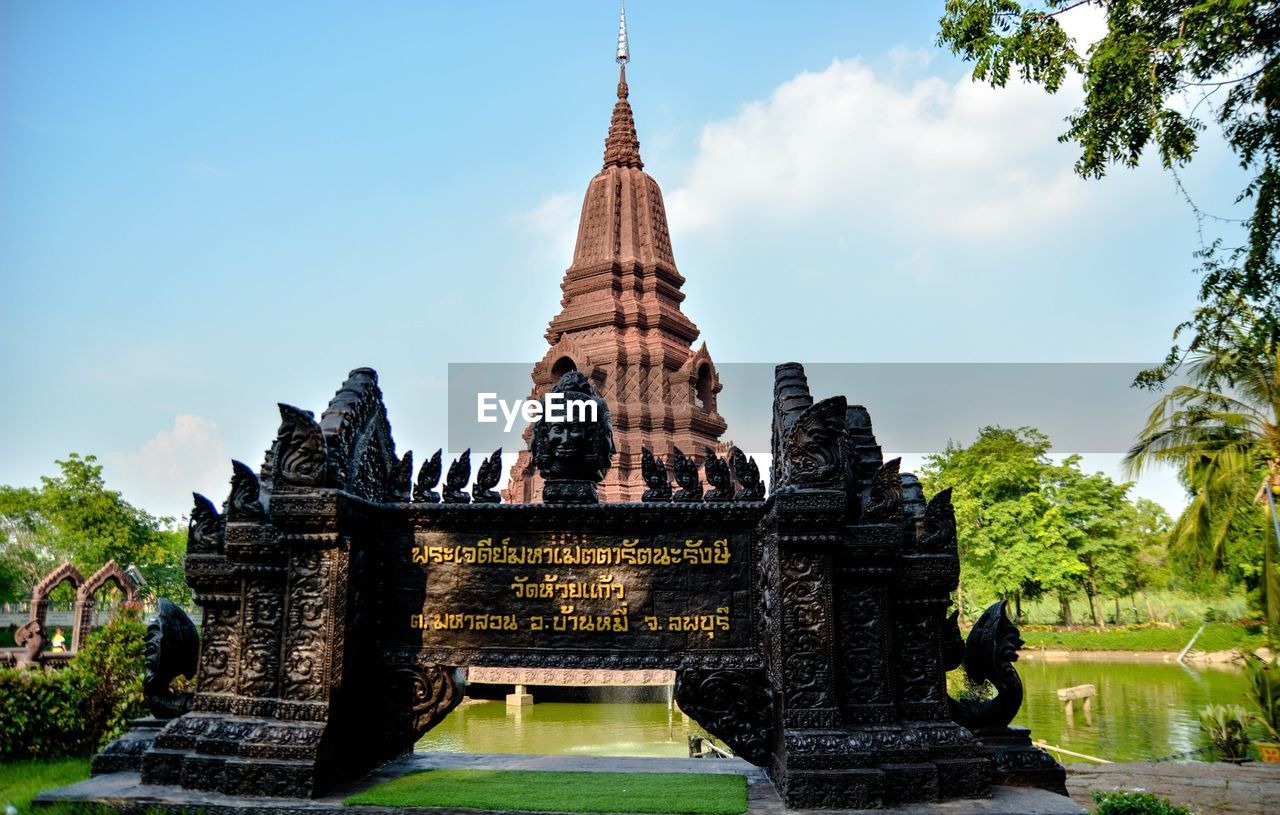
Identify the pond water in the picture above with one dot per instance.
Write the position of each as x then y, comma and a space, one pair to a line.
1142, 711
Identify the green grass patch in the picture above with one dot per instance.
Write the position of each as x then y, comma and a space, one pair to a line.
1216, 637
697, 794
21, 781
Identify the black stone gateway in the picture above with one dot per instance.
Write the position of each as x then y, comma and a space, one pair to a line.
809, 630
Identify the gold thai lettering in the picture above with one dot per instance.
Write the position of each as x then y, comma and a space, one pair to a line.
575, 550
707, 624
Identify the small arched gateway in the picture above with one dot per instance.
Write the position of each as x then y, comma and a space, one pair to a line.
34, 634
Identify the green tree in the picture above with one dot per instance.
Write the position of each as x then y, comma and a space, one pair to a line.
1148, 525
1087, 515
1224, 54
74, 516
1001, 504
1223, 428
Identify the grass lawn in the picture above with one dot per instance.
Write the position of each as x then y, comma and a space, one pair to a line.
563, 792
1216, 637
20, 781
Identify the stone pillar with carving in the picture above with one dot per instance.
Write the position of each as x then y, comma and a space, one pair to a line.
289, 697
853, 608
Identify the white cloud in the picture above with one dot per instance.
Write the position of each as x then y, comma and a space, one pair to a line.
930, 159
554, 225
171, 464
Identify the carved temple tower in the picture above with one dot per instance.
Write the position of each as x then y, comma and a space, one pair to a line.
621, 325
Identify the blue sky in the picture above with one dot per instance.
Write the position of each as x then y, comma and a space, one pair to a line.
208, 208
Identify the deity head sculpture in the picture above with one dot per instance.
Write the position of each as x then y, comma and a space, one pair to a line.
572, 444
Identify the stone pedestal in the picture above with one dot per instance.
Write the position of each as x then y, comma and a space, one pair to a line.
1019, 763
125, 753
521, 698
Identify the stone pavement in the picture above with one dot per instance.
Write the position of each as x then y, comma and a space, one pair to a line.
1210, 789
123, 791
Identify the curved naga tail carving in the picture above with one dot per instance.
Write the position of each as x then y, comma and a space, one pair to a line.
300, 451
989, 655
734, 706
658, 488
244, 503
747, 472
487, 475
456, 481
686, 472
717, 477
428, 477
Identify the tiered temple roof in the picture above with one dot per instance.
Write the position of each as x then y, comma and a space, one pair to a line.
621, 325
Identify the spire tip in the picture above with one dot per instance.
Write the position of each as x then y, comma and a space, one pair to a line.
624, 50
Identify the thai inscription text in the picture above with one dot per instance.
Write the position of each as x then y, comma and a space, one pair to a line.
555, 589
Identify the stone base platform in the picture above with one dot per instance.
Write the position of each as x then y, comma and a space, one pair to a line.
124, 792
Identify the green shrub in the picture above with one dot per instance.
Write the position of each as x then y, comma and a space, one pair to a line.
1135, 803
1228, 729
76, 710
1264, 691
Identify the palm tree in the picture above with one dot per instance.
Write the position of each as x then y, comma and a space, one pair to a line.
1223, 428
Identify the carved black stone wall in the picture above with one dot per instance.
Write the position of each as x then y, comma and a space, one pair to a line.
809, 630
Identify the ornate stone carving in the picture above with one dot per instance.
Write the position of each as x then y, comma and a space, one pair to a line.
812, 455
989, 655
657, 487
686, 472
428, 477
402, 478
747, 473
718, 477
734, 706
172, 650
204, 532
30, 637
938, 526
307, 651
455, 482
573, 455
243, 504
300, 449
487, 476
884, 505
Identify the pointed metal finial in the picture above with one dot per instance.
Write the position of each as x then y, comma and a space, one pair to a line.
624, 52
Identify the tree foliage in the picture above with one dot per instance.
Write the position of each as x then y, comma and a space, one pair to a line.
1222, 428
1029, 527
74, 516
1160, 73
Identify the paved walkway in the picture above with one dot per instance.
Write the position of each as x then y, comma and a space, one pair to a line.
122, 790
1210, 789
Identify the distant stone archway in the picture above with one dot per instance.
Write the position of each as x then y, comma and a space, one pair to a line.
111, 572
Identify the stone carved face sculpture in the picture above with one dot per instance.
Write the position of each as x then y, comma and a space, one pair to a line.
580, 447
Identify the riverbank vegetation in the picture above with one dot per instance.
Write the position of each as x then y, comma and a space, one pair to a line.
1163, 638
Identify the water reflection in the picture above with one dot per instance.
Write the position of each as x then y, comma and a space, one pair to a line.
557, 728
1141, 711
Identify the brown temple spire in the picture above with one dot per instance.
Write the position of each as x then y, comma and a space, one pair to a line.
621, 325
621, 146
